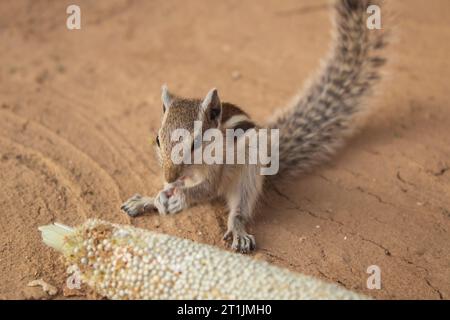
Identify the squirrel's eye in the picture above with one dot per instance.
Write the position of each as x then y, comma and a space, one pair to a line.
157, 140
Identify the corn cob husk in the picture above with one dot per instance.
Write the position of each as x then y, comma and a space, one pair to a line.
123, 262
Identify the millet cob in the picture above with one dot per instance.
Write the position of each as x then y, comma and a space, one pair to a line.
123, 262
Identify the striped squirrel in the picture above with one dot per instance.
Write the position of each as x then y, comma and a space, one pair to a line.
310, 130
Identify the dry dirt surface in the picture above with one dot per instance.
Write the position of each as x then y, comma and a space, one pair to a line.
78, 109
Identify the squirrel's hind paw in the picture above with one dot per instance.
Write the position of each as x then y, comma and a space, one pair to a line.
241, 241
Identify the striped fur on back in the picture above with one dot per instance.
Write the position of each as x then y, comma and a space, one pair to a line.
234, 117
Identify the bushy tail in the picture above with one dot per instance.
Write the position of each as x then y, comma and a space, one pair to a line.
319, 121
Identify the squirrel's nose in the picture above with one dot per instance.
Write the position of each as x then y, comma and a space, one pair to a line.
172, 173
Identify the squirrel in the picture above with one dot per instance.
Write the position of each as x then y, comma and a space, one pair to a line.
311, 129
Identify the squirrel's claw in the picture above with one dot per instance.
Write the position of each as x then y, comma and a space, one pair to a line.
137, 205
241, 241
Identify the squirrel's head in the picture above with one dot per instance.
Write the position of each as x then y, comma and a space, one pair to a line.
181, 113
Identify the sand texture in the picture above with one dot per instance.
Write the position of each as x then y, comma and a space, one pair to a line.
78, 109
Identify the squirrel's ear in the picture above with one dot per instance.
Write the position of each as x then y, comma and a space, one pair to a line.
166, 98
211, 106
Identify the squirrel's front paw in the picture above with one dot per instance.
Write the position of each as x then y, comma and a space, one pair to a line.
177, 202
137, 205
241, 241
162, 202
170, 201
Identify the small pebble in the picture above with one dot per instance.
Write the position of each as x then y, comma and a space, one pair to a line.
236, 75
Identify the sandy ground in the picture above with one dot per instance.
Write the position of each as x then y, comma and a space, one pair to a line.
77, 110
